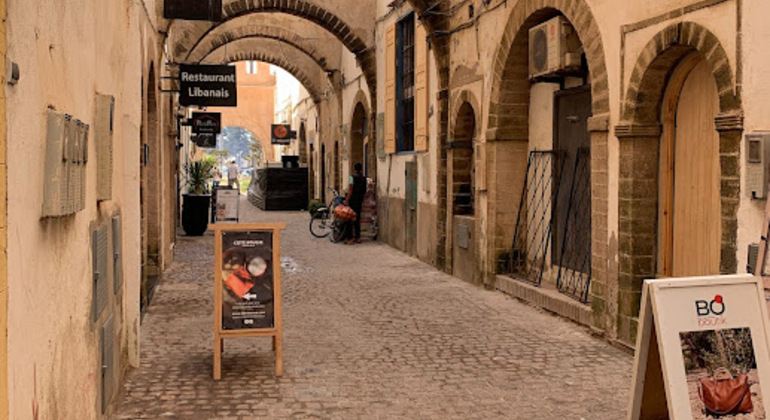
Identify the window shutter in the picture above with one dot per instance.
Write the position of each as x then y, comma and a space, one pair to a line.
390, 89
420, 90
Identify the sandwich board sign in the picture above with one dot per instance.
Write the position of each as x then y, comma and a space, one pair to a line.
702, 350
247, 286
226, 205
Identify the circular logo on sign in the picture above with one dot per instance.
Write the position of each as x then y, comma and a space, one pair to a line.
280, 131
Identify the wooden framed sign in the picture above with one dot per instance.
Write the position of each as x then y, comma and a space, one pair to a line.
226, 208
702, 350
247, 286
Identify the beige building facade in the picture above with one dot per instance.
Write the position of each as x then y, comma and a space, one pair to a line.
88, 239
649, 155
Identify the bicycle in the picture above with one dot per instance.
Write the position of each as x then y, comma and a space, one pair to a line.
323, 223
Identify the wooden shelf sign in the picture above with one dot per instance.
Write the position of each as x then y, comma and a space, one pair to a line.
247, 286
702, 350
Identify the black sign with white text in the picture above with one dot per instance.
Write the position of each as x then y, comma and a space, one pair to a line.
208, 10
206, 123
207, 85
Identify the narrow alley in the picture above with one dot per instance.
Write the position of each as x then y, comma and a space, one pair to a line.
369, 333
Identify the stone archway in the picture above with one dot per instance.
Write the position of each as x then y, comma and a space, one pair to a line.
507, 132
358, 127
312, 81
639, 133
462, 253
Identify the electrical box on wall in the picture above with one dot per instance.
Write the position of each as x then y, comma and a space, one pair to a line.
757, 164
103, 129
66, 157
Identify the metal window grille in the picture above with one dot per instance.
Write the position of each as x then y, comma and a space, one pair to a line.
574, 278
534, 224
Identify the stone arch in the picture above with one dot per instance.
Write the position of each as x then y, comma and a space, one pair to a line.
461, 99
657, 59
256, 32
361, 102
507, 132
313, 84
355, 40
639, 135
510, 86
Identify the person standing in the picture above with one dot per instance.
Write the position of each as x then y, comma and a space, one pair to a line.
355, 200
217, 176
232, 176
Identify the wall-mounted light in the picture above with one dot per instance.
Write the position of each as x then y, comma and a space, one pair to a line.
12, 72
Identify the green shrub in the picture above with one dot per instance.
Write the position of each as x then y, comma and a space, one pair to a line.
314, 205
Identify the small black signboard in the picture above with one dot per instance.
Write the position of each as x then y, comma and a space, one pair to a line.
207, 85
209, 10
207, 141
206, 123
281, 134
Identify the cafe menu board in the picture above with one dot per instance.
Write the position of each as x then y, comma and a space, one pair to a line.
226, 205
247, 280
247, 287
702, 350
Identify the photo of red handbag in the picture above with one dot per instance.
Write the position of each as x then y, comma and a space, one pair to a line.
724, 394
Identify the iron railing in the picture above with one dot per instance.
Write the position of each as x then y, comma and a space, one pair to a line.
534, 224
575, 255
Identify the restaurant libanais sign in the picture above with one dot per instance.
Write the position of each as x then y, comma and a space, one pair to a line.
207, 85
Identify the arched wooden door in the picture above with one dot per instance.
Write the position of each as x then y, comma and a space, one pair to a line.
690, 208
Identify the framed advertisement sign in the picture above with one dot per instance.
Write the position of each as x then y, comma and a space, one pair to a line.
702, 350
247, 286
226, 205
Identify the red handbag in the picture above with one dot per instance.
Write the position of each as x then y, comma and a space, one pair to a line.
723, 394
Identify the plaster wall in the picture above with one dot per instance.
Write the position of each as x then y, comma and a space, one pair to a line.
755, 91
256, 96
54, 362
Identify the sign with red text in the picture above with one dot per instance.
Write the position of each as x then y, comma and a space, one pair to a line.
702, 349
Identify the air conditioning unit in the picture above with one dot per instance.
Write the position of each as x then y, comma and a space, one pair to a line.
553, 47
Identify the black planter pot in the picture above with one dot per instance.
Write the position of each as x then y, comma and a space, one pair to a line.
195, 214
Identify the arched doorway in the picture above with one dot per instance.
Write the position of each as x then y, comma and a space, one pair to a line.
461, 193
679, 138
541, 154
358, 127
149, 194
689, 209
336, 167
323, 173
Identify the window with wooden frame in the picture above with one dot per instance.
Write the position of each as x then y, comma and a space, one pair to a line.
405, 43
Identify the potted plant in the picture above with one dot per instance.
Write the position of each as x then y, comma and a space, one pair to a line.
195, 204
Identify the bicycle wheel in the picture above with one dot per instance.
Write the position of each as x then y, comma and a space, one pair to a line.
339, 231
320, 225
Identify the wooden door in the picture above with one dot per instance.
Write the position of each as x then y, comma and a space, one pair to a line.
690, 208
411, 208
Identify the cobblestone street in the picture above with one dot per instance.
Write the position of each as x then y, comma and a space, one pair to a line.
369, 333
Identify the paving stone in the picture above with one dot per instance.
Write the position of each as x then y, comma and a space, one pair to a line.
369, 333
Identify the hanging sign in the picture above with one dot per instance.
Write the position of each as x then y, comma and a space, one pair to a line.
702, 350
208, 10
226, 205
206, 122
247, 286
281, 134
207, 85
207, 141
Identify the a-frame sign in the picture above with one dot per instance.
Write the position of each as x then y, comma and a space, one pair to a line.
702, 350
